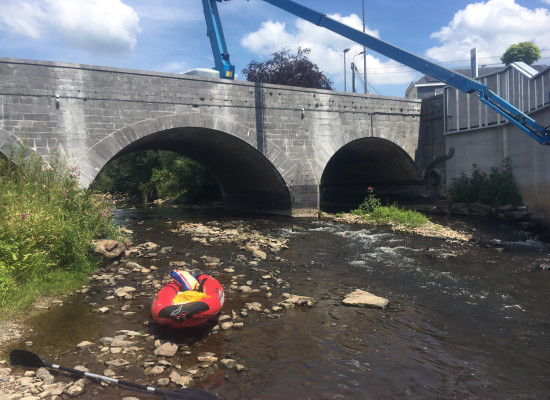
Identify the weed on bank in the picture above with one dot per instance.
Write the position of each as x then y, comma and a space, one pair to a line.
47, 225
372, 209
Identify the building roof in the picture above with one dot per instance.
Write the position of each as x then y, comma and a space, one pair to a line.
428, 81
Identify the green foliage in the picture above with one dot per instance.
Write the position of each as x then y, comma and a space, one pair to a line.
153, 174
496, 189
372, 209
48, 221
527, 52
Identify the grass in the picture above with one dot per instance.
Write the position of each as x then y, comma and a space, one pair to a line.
48, 224
373, 210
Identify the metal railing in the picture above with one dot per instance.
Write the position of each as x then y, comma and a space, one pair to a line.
526, 92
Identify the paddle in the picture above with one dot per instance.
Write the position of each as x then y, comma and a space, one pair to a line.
28, 359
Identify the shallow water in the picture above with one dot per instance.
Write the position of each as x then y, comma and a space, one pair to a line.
464, 321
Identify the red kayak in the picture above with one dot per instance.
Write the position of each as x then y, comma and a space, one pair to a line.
185, 309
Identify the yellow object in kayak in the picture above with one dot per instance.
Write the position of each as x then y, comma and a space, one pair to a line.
189, 296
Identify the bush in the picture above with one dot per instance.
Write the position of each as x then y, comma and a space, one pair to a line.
48, 223
496, 189
370, 203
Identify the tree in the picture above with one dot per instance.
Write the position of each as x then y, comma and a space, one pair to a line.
288, 69
152, 174
527, 52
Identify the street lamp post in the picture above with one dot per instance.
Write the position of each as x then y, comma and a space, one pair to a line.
345, 51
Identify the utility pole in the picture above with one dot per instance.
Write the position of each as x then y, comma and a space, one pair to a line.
353, 77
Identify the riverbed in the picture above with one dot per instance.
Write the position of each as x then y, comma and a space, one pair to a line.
466, 319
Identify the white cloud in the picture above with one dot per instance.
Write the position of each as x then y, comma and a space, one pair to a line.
326, 48
491, 27
176, 67
22, 18
99, 26
169, 11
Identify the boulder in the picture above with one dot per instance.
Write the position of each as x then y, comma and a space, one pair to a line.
109, 249
480, 209
459, 209
361, 298
515, 216
443, 206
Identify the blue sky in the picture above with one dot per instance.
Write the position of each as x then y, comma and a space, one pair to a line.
170, 35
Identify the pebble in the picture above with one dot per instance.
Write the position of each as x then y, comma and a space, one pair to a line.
166, 350
156, 370
85, 344
117, 363
183, 381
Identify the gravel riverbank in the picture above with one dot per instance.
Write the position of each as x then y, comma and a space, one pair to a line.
256, 283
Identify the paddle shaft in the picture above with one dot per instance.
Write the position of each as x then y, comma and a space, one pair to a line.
105, 378
26, 358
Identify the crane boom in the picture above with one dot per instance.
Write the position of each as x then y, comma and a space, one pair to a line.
447, 76
217, 39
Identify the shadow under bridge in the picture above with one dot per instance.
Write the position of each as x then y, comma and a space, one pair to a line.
368, 163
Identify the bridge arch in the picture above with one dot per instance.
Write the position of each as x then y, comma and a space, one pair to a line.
362, 163
248, 178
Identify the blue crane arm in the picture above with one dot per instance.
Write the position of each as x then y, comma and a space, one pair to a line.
217, 40
447, 76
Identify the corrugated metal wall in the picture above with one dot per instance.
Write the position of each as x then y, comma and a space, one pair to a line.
465, 111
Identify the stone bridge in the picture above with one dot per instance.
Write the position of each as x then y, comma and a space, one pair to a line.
271, 148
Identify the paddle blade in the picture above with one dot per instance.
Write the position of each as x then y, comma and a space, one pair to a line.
188, 394
26, 359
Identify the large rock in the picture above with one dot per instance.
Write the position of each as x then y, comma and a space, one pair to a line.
360, 298
515, 216
480, 209
109, 249
459, 209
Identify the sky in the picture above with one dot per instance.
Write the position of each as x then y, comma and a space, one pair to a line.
170, 35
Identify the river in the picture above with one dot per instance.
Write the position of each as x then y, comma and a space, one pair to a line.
464, 321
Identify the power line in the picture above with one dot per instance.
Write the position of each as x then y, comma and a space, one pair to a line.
401, 69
